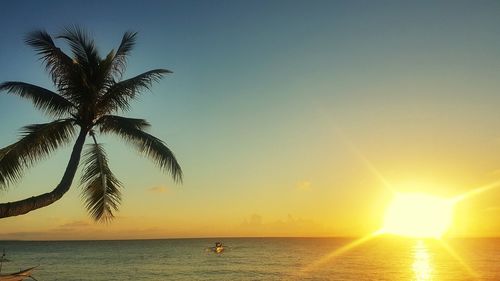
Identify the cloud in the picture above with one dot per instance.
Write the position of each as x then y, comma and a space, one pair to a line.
492, 209
77, 229
22, 235
290, 226
303, 185
255, 220
158, 189
83, 229
75, 224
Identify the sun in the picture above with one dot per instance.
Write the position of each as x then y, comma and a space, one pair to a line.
418, 215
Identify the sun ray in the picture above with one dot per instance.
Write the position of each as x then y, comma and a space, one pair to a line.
336, 253
421, 265
476, 191
457, 257
373, 170
346, 141
445, 205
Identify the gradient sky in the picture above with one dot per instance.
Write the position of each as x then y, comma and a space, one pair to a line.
276, 110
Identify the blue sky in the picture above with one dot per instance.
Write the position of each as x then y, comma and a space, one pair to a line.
260, 91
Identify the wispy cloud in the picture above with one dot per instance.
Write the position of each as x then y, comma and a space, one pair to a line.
75, 224
82, 229
303, 185
255, 220
492, 209
256, 225
22, 235
158, 189
75, 229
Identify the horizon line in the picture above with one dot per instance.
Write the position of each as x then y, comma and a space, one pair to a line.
238, 237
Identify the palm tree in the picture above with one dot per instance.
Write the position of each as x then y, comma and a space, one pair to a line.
89, 92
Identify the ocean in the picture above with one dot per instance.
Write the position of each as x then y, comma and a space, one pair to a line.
380, 258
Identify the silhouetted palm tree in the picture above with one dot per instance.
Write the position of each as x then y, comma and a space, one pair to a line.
89, 92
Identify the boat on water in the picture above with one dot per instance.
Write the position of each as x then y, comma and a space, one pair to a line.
18, 276
218, 248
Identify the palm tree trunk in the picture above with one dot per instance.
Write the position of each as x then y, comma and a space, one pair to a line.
24, 206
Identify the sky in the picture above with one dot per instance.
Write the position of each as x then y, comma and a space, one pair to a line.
289, 118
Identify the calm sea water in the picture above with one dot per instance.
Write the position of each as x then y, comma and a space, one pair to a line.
382, 258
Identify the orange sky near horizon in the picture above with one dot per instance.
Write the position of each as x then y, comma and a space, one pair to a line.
289, 118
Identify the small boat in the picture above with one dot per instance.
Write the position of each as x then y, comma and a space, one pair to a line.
218, 248
18, 276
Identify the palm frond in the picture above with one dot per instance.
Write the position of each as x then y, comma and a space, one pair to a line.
119, 122
82, 46
49, 102
119, 94
101, 189
104, 77
57, 63
93, 72
120, 58
132, 131
106, 68
37, 142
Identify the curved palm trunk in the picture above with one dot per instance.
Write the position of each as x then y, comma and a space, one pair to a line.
24, 206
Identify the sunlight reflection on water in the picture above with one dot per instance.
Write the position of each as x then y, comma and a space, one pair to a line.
422, 262
384, 258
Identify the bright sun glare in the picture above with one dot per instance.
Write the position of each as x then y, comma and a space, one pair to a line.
418, 215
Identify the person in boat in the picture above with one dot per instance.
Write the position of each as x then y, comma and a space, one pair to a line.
218, 247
